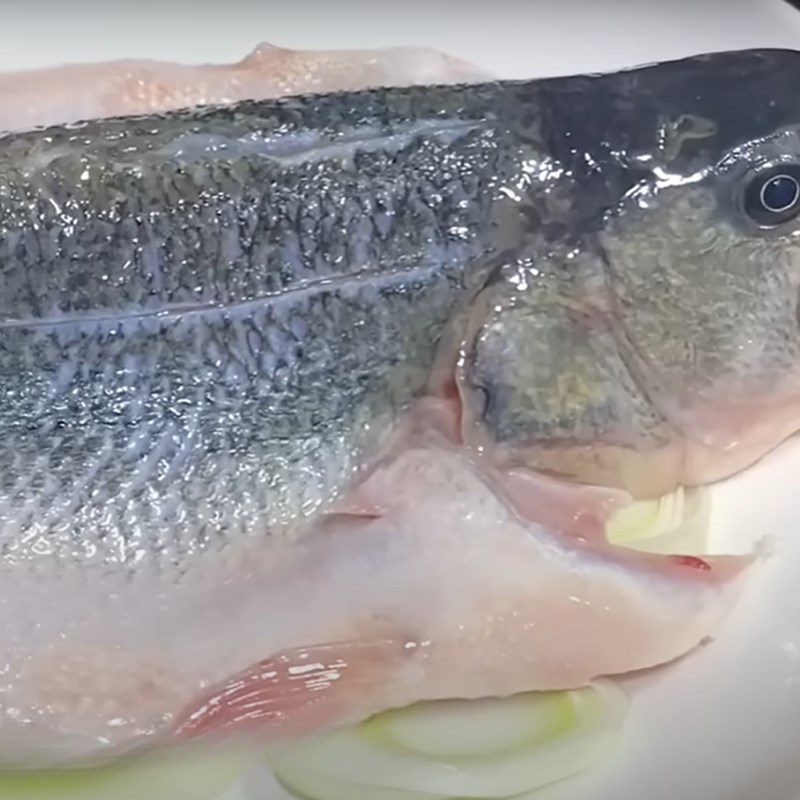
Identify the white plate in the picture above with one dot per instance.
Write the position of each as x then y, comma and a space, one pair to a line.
724, 724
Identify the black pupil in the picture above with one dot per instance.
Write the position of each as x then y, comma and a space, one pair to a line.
773, 199
780, 193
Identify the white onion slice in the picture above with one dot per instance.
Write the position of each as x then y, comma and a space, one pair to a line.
489, 748
675, 523
193, 774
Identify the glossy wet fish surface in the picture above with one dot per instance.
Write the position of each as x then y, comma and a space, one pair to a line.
233, 340
210, 317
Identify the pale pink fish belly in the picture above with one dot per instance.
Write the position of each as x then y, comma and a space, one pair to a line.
121, 88
451, 594
448, 594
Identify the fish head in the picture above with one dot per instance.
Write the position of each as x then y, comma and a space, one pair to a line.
656, 341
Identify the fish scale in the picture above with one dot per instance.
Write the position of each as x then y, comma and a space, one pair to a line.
248, 299
169, 257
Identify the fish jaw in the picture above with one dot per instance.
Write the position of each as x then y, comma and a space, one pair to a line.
651, 472
467, 600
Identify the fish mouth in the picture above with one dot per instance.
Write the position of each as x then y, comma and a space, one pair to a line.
648, 474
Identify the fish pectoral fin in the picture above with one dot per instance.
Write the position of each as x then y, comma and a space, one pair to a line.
296, 691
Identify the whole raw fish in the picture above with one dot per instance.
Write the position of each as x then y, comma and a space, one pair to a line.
278, 380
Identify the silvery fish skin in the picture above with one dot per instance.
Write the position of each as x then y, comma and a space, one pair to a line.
215, 322
211, 319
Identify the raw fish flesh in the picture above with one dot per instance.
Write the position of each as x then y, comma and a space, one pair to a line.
77, 92
314, 406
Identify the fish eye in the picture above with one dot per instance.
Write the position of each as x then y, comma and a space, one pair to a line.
773, 197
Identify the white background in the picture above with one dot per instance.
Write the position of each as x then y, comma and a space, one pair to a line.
724, 725
514, 38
